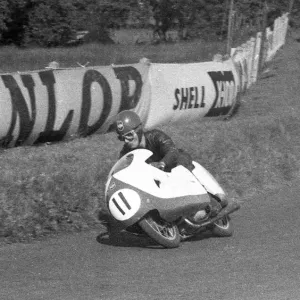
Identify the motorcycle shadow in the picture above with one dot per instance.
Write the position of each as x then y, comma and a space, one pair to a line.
128, 240
125, 239
120, 238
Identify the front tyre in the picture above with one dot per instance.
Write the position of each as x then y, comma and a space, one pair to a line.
162, 232
223, 227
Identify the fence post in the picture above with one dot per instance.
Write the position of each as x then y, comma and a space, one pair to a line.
286, 26
224, 19
263, 38
229, 33
255, 60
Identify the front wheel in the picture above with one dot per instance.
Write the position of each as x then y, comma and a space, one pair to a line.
223, 227
160, 231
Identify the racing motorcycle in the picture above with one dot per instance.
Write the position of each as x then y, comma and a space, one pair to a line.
143, 199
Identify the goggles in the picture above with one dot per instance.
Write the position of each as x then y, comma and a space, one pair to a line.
129, 136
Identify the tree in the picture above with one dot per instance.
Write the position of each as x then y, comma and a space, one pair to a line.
53, 22
101, 16
97, 17
197, 17
49, 23
12, 18
108, 14
4, 16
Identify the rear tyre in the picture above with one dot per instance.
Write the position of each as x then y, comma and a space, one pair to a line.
223, 227
162, 232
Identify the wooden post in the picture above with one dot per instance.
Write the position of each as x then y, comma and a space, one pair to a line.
224, 19
230, 26
263, 38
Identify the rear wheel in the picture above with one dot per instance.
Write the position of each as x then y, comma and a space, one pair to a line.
223, 227
162, 232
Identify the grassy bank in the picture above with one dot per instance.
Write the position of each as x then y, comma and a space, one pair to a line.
14, 59
60, 187
53, 188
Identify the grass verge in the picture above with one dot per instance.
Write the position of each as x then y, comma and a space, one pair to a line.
14, 59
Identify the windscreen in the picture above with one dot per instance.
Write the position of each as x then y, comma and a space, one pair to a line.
123, 163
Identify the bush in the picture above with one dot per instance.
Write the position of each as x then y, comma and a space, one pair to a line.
49, 24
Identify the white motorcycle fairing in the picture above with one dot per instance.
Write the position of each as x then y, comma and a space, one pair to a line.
134, 188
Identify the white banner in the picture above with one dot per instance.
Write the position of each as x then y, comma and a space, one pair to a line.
187, 92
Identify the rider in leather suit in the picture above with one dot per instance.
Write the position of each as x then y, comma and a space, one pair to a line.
165, 156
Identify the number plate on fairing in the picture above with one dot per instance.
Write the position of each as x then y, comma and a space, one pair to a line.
124, 204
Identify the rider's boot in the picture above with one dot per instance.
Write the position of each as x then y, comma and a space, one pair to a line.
212, 211
186, 226
222, 199
203, 215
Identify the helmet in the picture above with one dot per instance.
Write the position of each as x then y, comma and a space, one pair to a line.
126, 121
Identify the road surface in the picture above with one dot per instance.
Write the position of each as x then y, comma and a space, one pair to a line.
261, 261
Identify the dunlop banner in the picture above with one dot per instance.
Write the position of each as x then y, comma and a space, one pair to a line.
52, 105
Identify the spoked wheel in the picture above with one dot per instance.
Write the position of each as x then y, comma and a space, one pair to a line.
223, 227
162, 232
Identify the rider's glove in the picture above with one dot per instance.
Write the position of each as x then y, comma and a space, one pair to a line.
159, 165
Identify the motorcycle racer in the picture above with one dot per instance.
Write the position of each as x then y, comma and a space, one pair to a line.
166, 155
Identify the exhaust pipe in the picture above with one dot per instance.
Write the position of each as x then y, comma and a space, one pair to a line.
229, 209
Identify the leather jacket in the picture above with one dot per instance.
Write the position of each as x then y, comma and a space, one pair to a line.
164, 150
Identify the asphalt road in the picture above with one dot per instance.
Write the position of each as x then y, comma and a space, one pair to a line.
261, 261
